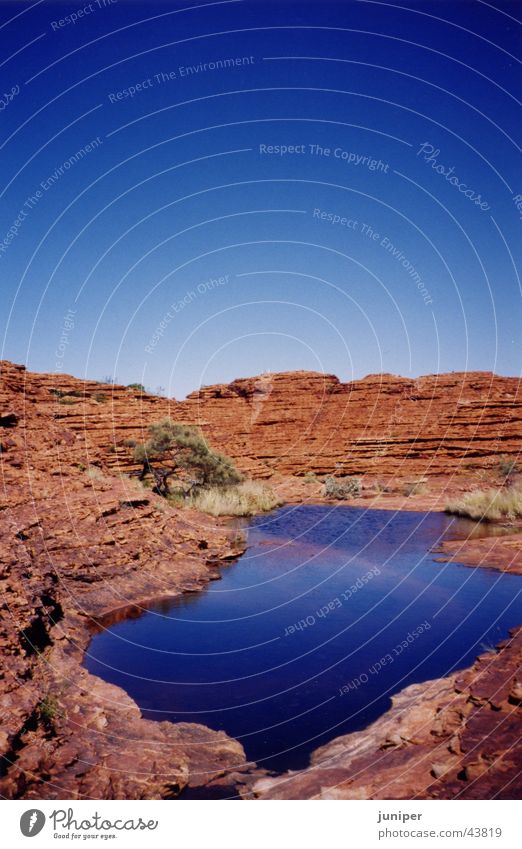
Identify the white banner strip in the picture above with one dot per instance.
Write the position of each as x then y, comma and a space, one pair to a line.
256, 825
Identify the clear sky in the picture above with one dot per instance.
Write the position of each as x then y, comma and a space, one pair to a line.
193, 192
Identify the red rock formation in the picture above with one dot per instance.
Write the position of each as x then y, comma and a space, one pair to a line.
77, 543
381, 424
295, 422
74, 545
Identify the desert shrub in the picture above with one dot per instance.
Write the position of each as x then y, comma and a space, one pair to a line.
65, 399
244, 499
416, 487
48, 711
99, 397
379, 487
489, 504
94, 473
129, 443
310, 477
138, 387
187, 454
507, 466
345, 487
177, 498
67, 393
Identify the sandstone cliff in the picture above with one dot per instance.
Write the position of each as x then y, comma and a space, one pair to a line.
78, 542
292, 423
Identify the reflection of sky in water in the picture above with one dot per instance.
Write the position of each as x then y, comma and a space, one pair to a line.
221, 657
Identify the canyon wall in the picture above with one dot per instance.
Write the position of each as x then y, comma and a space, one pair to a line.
78, 542
289, 423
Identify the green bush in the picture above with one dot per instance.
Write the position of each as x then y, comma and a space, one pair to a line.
48, 711
187, 454
138, 387
63, 393
507, 466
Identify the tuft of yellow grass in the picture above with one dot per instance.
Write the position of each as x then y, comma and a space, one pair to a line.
416, 487
245, 499
489, 504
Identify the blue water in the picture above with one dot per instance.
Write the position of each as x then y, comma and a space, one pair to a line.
284, 656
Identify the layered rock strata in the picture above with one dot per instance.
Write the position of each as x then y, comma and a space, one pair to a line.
79, 544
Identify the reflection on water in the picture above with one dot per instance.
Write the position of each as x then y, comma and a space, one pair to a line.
306, 637
468, 529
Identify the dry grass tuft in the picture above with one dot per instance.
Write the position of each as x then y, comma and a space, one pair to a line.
245, 499
416, 487
489, 504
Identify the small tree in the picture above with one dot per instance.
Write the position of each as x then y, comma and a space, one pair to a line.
138, 387
184, 451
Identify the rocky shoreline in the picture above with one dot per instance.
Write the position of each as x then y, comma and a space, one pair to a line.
66, 733
80, 545
503, 552
455, 737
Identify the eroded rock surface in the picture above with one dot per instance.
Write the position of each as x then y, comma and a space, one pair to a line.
78, 544
294, 422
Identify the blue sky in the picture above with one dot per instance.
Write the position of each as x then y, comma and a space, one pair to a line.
193, 192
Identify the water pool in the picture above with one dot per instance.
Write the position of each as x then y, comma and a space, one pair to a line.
329, 612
